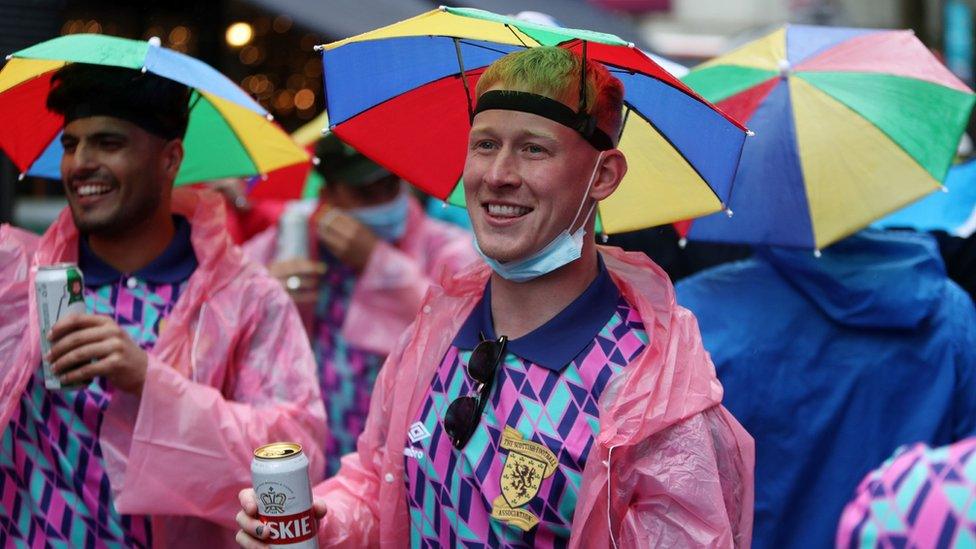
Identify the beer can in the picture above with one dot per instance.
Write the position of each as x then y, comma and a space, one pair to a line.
60, 292
284, 495
292, 233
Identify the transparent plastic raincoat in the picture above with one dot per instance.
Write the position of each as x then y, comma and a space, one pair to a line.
670, 466
16, 248
232, 370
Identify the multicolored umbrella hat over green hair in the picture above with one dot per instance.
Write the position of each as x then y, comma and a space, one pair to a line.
850, 125
229, 134
402, 95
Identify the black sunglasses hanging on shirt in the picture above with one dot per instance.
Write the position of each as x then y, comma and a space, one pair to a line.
464, 414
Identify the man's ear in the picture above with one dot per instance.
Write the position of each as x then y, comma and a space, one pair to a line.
611, 172
172, 157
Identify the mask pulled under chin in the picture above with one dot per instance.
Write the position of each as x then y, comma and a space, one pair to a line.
562, 250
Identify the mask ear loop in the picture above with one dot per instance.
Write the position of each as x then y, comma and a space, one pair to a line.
589, 186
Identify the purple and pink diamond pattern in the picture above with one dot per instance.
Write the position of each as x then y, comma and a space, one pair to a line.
54, 491
450, 492
346, 374
921, 498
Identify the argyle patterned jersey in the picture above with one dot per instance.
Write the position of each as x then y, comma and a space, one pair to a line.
54, 491
346, 374
921, 497
516, 481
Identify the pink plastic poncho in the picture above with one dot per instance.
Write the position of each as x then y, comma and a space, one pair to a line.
232, 370
16, 248
390, 289
670, 467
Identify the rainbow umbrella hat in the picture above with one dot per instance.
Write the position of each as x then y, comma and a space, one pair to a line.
850, 125
298, 181
397, 95
229, 134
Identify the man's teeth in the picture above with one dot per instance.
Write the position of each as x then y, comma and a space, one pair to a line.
91, 190
503, 210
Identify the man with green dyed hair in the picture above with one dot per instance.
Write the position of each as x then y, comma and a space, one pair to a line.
559, 396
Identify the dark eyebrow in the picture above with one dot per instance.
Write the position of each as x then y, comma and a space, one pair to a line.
99, 136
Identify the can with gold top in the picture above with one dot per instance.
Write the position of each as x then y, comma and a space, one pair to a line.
284, 494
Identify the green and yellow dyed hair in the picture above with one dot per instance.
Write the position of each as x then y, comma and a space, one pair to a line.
554, 73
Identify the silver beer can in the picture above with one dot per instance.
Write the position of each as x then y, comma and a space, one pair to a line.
279, 472
293, 233
60, 292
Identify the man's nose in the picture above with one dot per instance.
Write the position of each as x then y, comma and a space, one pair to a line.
84, 156
503, 170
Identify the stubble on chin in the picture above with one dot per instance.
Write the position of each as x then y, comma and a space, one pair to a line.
118, 222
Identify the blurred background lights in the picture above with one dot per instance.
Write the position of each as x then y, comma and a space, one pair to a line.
239, 34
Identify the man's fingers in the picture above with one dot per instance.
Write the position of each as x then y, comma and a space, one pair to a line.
325, 220
84, 374
296, 267
78, 338
84, 355
72, 323
320, 508
251, 526
248, 542
248, 502
314, 268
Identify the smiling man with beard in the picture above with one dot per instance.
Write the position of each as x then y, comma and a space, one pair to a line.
188, 358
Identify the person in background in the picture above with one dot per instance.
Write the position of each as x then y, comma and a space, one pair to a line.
188, 358
920, 497
557, 395
372, 255
832, 363
680, 259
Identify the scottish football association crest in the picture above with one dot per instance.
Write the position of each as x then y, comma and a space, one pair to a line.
527, 465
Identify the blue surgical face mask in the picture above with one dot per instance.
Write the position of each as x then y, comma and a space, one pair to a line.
562, 250
389, 220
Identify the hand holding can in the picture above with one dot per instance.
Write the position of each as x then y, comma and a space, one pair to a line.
59, 290
283, 499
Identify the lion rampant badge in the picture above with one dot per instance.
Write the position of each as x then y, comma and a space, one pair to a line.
527, 465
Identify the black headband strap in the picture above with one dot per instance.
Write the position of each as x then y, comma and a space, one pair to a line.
532, 103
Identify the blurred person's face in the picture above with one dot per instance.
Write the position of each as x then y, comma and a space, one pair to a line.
350, 197
525, 177
115, 174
